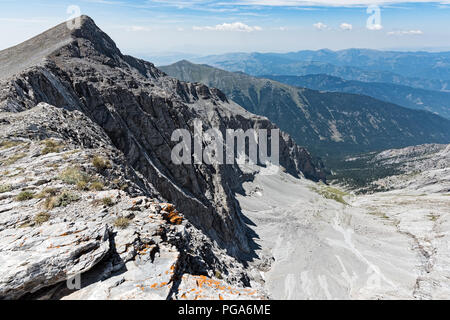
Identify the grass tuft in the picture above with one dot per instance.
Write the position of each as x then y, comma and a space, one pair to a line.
96, 186
24, 196
41, 218
6, 144
73, 175
63, 200
13, 159
100, 163
122, 222
108, 202
51, 146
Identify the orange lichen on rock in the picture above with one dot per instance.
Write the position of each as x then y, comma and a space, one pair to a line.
171, 215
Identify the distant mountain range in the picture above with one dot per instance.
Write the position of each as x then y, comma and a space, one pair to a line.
327, 123
416, 69
415, 98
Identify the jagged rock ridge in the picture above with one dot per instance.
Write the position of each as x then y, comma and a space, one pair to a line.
136, 107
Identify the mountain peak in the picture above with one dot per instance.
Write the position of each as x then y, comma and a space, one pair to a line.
33, 51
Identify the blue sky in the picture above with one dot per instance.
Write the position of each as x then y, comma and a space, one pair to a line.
157, 27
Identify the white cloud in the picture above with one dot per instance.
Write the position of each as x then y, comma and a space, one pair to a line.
405, 32
235, 26
346, 26
375, 27
320, 26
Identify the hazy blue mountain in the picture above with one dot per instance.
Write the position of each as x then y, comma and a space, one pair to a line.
330, 124
427, 65
354, 64
420, 99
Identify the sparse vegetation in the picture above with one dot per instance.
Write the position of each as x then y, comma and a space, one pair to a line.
331, 193
65, 199
382, 215
360, 172
6, 144
47, 192
51, 146
96, 186
62, 200
122, 222
74, 175
100, 163
123, 187
5, 188
82, 186
218, 274
24, 196
108, 202
13, 159
41, 218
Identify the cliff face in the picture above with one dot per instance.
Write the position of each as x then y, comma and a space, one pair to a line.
138, 107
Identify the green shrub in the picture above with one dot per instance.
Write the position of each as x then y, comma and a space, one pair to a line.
5, 188
218, 274
25, 195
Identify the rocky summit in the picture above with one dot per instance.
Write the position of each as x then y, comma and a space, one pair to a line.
88, 186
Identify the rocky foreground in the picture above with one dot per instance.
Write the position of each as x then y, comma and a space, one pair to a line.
68, 211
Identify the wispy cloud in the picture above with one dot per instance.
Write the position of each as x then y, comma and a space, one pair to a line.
235, 26
138, 28
331, 3
346, 26
25, 20
405, 32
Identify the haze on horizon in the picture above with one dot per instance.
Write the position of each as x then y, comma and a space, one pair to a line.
181, 29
